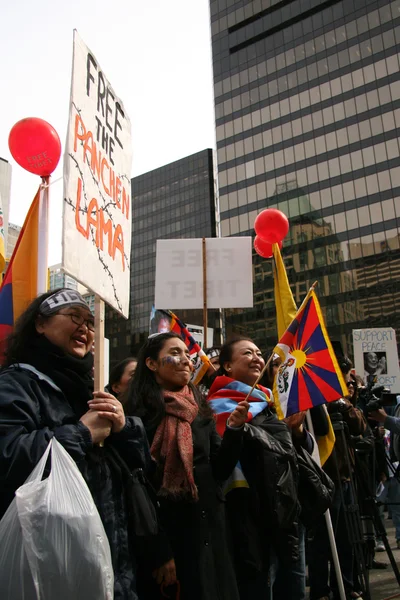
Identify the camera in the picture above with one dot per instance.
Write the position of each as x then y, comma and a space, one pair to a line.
376, 397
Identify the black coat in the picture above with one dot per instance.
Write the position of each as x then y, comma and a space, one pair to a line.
33, 410
257, 530
196, 531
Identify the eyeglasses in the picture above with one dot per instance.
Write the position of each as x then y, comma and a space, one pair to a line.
79, 320
351, 384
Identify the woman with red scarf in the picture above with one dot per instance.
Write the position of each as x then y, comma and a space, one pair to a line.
263, 487
191, 464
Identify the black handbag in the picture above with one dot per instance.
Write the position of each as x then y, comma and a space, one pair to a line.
316, 489
141, 498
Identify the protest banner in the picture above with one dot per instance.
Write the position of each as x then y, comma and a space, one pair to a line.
375, 354
97, 184
180, 273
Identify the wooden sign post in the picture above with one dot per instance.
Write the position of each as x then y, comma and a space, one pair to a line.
99, 344
205, 315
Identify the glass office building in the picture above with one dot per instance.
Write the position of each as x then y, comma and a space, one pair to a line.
174, 201
307, 106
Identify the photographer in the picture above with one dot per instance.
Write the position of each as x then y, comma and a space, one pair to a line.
336, 466
392, 423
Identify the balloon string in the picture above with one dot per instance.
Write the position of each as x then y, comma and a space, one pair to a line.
46, 185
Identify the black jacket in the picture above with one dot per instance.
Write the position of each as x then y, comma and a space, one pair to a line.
33, 410
258, 527
196, 531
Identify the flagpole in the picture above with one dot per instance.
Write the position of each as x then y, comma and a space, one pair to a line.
258, 378
43, 236
329, 527
205, 316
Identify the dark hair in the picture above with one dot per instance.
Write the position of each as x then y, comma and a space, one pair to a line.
353, 380
118, 371
227, 350
145, 397
24, 330
345, 364
267, 380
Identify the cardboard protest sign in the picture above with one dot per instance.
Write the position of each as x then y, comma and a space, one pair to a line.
375, 354
97, 184
179, 273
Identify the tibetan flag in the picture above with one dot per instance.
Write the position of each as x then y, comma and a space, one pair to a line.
286, 308
19, 285
309, 374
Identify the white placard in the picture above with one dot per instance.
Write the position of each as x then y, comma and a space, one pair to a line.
97, 185
375, 353
197, 331
179, 273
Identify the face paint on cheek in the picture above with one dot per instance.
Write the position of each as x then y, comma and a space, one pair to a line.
170, 360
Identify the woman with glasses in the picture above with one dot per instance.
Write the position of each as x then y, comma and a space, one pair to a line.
46, 391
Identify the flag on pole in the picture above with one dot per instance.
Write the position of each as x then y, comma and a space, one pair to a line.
20, 281
166, 320
286, 308
309, 374
2, 242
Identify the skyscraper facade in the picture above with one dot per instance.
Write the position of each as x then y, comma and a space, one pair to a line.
174, 201
307, 107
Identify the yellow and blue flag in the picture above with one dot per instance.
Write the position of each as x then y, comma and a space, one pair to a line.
285, 305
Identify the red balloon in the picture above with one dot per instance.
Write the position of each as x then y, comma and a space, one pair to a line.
35, 145
264, 248
272, 225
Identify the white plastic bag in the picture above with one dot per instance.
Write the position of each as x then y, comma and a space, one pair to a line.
52, 542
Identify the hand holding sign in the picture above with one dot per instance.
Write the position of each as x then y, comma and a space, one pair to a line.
35, 145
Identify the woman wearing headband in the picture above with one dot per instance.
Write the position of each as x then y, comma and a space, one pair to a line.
46, 390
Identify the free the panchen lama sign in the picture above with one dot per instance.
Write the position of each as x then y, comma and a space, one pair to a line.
97, 186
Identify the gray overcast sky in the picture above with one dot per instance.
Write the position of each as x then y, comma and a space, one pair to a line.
156, 54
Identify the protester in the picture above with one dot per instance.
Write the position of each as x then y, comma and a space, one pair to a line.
46, 390
290, 580
321, 582
259, 540
392, 424
121, 376
191, 463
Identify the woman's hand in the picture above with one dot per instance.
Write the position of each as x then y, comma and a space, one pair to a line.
295, 423
239, 415
166, 573
108, 407
99, 427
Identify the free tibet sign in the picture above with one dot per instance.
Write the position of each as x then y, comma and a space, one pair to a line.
97, 184
375, 354
179, 273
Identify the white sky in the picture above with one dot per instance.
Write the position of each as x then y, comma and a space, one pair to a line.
155, 53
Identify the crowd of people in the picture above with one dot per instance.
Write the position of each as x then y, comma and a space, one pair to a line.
223, 468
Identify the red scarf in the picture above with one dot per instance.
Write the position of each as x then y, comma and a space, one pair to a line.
172, 445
